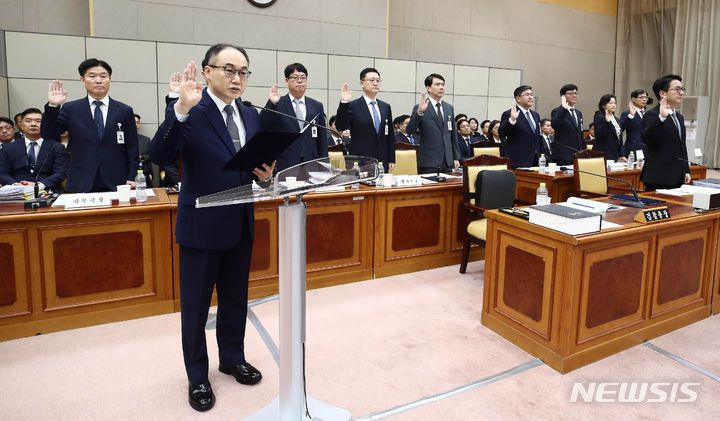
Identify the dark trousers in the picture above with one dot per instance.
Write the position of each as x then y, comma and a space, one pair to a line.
228, 271
432, 170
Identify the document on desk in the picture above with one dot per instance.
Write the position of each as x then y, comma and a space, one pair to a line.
591, 205
565, 219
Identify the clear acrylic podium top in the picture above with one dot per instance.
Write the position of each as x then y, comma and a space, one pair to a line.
298, 180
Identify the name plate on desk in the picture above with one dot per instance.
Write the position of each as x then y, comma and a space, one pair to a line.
87, 200
650, 215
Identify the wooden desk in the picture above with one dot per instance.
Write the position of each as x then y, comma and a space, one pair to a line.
574, 300
67, 269
560, 185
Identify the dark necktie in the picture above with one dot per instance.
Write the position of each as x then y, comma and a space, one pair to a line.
530, 120
574, 116
31, 154
98, 116
439, 113
376, 116
232, 127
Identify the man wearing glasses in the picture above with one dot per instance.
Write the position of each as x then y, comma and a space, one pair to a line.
520, 127
632, 119
7, 131
103, 146
313, 143
567, 123
369, 120
206, 127
666, 160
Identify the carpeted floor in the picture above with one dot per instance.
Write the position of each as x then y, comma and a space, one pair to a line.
407, 347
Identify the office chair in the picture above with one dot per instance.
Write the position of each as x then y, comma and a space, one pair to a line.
588, 185
497, 189
405, 159
486, 148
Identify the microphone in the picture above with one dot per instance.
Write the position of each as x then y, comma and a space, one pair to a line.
39, 202
437, 177
695, 163
312, 123
635, 203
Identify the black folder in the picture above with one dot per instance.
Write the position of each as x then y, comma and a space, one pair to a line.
264, 147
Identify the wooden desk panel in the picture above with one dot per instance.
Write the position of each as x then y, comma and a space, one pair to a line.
580, 299
71, 269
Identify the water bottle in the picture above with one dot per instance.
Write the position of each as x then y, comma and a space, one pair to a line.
542, 162
356, 172
631, 160
140, 187
381, 174
541, 197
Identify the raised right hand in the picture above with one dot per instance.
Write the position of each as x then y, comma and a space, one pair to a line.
274, 94
190, 90
564, 103
514, 112
664, 109
632, 109
56, 94
174, 84
345, 93
422, 103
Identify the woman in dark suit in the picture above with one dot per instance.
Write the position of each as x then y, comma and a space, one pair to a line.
608, 132
474, 127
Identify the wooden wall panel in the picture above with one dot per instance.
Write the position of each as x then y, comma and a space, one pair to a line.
14, 273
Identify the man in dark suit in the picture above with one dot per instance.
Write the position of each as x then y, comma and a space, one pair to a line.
313, 143
33, 159
432, 118
7, 131
666, 161
546, 139
519, 126
207, 127
402, 136
18, 124
464, 139
568, 125
632, 120
103, 144
337, 138
369, 120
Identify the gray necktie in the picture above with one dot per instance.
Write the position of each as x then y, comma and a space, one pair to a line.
232, 127
677, 124
376, 116
530, 120
298, 113
574, 116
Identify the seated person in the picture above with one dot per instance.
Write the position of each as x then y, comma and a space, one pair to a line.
35, 159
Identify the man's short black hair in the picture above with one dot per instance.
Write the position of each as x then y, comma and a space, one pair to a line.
93, 62
331, 120
431, 76
568, 87
520, 89
399, 119
543, 121
663, 84
17, 115
30, 111
367, 70
460, 116
483, 123
214, 50
295, 67
637, 92
7, 120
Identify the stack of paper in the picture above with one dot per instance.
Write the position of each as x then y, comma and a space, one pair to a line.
565, 219
11, 193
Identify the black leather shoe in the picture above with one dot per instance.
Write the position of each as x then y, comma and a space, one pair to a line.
201, 397
244, 373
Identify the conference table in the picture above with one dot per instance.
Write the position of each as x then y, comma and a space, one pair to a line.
572, 300
62, 269
560, 184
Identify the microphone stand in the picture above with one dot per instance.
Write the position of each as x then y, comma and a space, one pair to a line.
637, 203
312, 122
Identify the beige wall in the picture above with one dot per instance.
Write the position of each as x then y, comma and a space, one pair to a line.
552, 44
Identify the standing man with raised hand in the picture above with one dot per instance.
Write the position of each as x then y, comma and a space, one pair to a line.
432, 118
369, 120
666, 161
206, 127
313, 143
103, 146
567, 123
520, 127
632, 120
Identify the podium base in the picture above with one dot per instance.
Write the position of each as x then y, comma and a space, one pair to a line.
318, 410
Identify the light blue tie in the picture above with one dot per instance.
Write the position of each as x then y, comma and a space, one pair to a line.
376, 116
299, 114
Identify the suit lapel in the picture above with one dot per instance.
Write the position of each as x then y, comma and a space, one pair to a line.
366, 113
90, 120
216, 120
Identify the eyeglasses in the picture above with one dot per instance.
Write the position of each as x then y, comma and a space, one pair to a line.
373, 80
528, 94
297, 78
641, 97
231, 72
571, 93
678, 89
